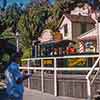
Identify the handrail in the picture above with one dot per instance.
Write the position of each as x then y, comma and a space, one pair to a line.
90, 72
92, 81
88, 81
68, 56
59, 69
54, 68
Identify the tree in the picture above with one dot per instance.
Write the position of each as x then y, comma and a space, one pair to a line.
24, 36
2, 24
9, 18
13, 14
32, 23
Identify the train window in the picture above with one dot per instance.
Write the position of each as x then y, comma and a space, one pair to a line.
54, 48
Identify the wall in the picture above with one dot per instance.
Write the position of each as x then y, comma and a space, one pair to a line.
61, 29
76, 29
67, 85
90, 26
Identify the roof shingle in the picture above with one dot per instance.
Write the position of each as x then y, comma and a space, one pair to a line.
80, 18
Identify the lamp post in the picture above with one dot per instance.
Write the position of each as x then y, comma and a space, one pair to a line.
17, 41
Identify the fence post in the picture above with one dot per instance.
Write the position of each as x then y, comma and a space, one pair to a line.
42, 76
88, 89
55, 78
28, 67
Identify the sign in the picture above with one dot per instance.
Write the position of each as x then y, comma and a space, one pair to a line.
48, 63
76, 62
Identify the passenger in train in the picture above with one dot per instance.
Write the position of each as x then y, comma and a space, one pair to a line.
60, 51
55, 51
51, 52
71, 49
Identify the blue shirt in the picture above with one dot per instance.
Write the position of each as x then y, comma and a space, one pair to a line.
12, 74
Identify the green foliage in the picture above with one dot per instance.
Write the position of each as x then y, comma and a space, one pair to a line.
32, 23
24, 35
6, 35
27, 53
5, 58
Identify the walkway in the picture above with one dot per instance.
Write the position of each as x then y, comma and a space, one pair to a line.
37, 95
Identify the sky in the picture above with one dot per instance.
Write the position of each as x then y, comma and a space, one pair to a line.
18, 1
10, 2
14, 1
27, 1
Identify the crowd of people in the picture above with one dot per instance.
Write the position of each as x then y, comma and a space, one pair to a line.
56, 51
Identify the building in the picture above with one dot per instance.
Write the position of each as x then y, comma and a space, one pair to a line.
88, 40
72, 26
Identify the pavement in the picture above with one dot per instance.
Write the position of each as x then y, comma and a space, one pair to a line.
37, 95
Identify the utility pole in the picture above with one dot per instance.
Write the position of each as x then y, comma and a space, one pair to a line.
17, 42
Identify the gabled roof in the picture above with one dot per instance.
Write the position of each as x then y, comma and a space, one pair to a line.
80, 18
76, 18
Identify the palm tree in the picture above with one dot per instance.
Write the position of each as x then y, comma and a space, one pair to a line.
34, 21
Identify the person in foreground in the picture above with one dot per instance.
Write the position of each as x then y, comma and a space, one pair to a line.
14, 79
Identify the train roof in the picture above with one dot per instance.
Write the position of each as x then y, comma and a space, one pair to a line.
58, 43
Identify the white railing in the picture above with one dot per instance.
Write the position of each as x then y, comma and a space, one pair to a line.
55, 69
89, 83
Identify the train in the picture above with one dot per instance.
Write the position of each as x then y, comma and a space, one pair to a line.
61, 49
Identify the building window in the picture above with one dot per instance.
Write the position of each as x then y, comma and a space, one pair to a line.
65, 29
83, 28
